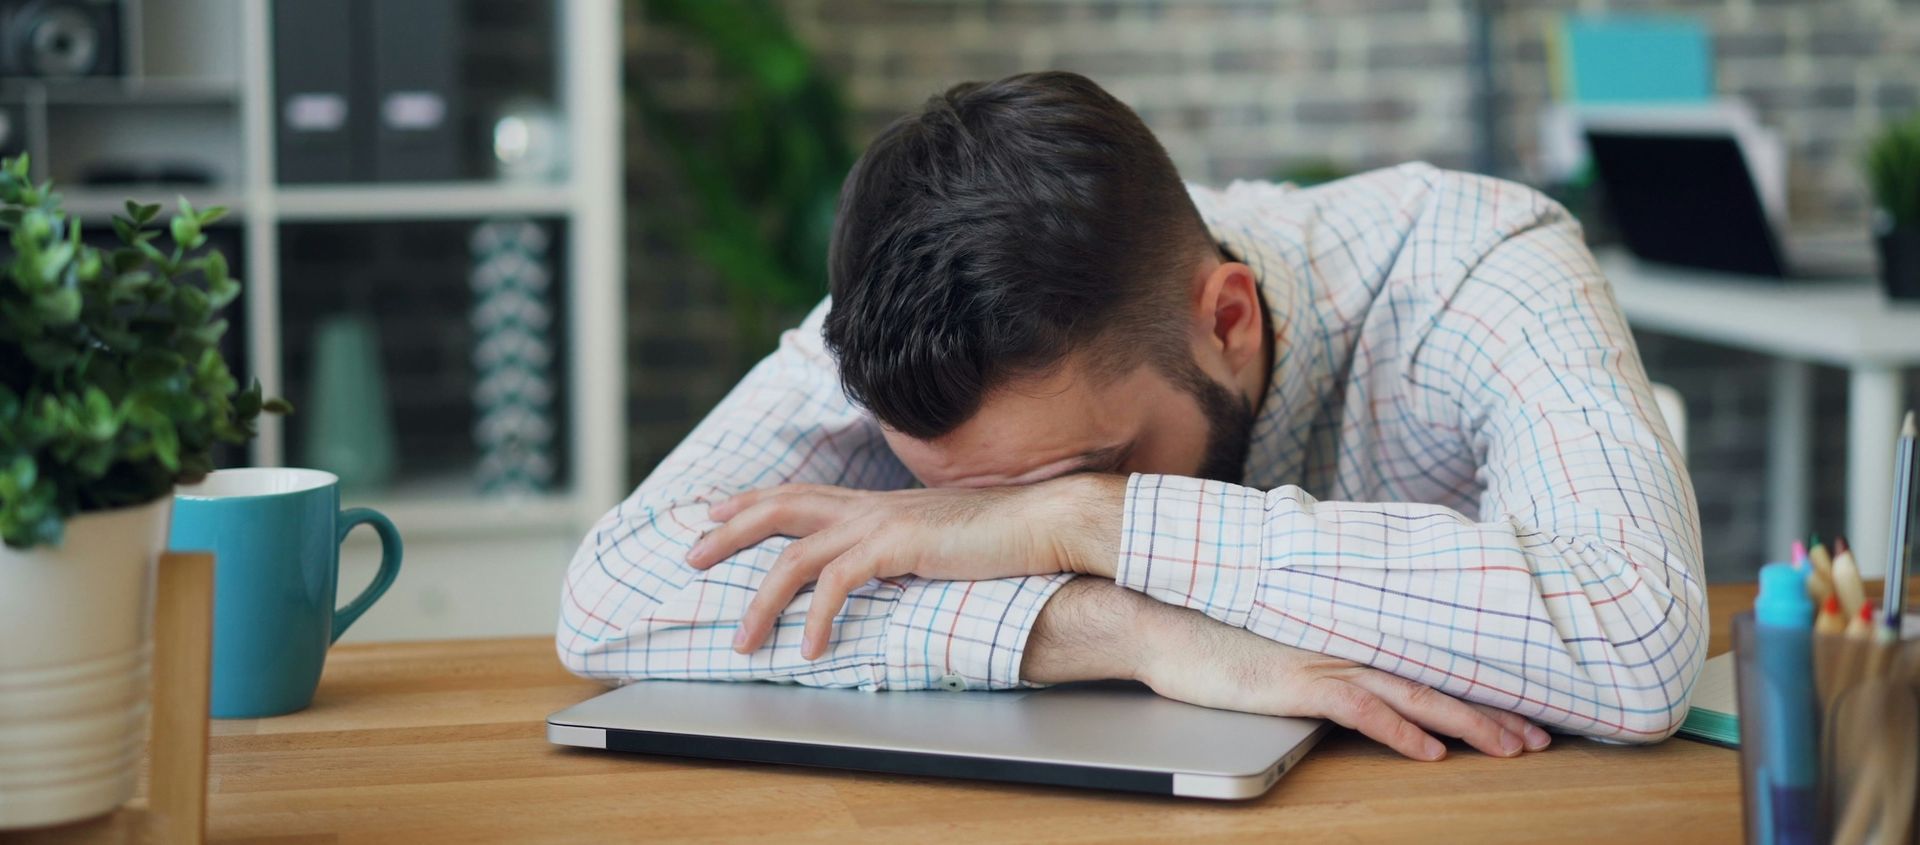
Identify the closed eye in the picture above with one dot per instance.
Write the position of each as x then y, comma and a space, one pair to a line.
1109, 459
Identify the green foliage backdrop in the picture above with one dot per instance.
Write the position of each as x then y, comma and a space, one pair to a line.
765, 184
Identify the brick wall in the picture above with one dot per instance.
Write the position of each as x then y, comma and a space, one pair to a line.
1250, 88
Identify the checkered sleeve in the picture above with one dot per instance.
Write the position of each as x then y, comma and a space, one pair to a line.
1574, 597
631, 608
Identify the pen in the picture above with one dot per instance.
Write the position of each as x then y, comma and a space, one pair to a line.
1880, 785
1830, 620
1862, 625
1895, 597
1820, 582
1846, 579
1783, 644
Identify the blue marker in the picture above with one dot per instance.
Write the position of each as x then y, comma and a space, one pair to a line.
1783, 628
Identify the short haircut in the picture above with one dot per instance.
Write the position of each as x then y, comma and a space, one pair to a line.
1002, 227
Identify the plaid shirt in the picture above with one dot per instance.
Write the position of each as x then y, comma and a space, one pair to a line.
1458, 476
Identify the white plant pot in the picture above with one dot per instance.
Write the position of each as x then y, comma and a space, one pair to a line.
75, 639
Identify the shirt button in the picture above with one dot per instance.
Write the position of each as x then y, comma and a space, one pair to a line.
953, 683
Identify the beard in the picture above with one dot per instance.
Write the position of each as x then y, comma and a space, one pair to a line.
1229, 425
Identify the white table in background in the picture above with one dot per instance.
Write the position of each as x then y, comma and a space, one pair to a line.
1846, 323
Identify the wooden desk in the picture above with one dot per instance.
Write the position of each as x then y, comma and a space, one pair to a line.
445, 742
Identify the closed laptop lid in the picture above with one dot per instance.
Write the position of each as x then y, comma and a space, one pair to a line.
1107, 725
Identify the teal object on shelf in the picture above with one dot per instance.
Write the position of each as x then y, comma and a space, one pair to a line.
349, 427
1635, 59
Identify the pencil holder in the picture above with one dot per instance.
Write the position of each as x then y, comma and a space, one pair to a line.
1830, 744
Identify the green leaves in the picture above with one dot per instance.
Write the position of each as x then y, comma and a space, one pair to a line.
59, 306
1893, 171
112, 386
248, 403
186, 232
28, 508
95, 418
142, 214
17, 478
221, 289
765, 181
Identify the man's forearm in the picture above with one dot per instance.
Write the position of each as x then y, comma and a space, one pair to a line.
1092, 629
1088, 631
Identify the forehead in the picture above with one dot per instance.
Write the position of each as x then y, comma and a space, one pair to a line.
1032, 429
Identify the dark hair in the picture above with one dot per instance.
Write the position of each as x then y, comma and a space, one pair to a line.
1002, 227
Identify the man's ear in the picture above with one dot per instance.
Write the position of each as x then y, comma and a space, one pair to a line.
1227, 316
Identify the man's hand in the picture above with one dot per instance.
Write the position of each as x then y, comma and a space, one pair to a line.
845, 538
1092, 629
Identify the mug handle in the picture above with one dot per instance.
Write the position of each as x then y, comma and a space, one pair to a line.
389, 564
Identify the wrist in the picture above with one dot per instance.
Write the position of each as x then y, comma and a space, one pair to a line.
1090, 630
1153, 630
1088, 530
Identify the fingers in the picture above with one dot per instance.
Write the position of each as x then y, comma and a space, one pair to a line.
725, 509
845, 574
1353, 706
1442, 713
1535, 737
796, 567
794, 514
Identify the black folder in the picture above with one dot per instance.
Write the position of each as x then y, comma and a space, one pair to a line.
13, 129
413, 88
317, 124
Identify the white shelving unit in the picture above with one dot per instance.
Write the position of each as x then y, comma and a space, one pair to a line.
474, 565
100, 204
425, 201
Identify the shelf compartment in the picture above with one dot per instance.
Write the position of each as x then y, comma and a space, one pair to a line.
124, 91
410, 286
102, 203
421, 201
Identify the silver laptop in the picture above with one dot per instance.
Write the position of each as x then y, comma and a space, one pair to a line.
1106, 735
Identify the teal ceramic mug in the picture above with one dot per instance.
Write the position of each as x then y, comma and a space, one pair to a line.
275, 535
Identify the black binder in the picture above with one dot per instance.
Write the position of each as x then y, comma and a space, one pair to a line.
316, 118
413, 88
13, 129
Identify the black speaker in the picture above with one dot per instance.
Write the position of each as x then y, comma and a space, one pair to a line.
61, 39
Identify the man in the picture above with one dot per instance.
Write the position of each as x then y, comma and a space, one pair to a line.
1380, 451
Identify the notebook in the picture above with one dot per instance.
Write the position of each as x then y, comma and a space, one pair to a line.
1715, 714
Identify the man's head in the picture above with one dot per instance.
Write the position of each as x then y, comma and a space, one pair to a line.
1022, 288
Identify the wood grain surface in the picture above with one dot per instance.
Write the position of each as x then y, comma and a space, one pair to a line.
445, 742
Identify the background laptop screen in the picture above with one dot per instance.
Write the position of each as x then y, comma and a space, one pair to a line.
1686, 199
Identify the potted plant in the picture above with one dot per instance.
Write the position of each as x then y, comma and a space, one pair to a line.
112, 391
1893, 173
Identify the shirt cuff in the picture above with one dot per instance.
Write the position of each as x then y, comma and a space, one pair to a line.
1193, 543
964, 634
